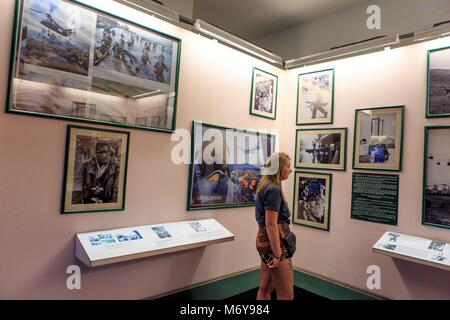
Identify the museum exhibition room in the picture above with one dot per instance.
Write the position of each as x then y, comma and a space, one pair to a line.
135, 135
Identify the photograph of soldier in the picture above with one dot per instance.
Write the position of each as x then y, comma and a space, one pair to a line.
131, 51
52, 39
439, 83
315, 92
161, 232
96, 165
437, 186
264, 94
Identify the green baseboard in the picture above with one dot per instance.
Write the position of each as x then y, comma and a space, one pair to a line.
237, 284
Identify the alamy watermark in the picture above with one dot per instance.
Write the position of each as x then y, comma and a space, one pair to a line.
73, 282
374, 280
374, 20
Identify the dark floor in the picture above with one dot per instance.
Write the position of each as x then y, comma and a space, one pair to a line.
299, 294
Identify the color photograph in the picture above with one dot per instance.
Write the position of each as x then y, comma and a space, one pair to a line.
161, 232
439, 83
264, 94
436, 207
315, 97
378, 138
312, 200
226, 166
323, 149
135, 235
95, 170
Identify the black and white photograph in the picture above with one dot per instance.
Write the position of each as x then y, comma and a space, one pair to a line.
197, 226
436, 207
388, 246
439, 83
264, 94
393, 236
95, 175
315, 93
439, 257
161, 232
323, 149
378, 142
312, 200
437, 245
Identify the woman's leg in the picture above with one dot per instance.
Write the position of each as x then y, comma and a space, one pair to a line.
265, 283
283, 280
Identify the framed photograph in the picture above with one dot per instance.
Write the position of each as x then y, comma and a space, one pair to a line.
436, 180
95, 170
323, 149
264, 94
315, 97
378, 143
74, 62
226, 166
312, 199
438, 89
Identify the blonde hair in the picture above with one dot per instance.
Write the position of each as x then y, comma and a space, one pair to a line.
273, 179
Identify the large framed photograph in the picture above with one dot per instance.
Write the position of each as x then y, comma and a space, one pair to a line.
378, 143
438, 89
74, 62
323, 149
315, 97
312, 199
264, 94
226, 166
436, 185
95, 170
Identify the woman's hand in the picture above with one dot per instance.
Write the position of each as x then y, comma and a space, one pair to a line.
274, 263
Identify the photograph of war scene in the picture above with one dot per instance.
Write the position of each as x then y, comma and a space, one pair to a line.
161, 232
321, 149
439, 83
437, 177
264, 94
315, 97
378, 142
312, 200
54, 36
127, 50
226, 166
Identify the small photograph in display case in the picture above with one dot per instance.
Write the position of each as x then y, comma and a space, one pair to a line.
161, 232
264, 94
323, 149
438, 99
312, 200
315, 97
378, 138
436, 186
197, 226
135, 235
95, 170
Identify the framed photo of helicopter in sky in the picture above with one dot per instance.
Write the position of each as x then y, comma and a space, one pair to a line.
264, 94
226, 166
315, 97
322, 149
66, 53
312, 200
378, 138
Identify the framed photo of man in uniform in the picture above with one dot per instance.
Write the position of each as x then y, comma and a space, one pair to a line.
95, 170
312, 199
315, 97
264, 94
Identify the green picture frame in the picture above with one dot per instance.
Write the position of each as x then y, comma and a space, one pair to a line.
264, 94
321, 149
436, 178
438, 83
312, 199
95, 170
225, 166
129, 73
315, 93
378, 138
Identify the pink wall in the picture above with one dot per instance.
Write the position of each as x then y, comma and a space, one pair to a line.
37, 242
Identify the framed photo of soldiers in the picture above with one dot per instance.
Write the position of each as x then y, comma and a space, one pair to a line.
95, 170
378, 142
74, 62
438, 89
322, 149
264, 94
226, 165
436, 181
315, 97
312, 199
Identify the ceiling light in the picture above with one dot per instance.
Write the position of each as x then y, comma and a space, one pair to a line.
438, 31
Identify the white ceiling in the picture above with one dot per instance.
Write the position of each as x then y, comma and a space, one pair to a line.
253, 19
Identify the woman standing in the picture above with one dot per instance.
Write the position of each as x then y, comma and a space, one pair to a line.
273, 218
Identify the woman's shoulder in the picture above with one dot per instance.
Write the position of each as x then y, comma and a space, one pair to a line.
272, 188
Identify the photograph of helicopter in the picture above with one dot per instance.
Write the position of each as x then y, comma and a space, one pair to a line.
53, 36
130, 51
